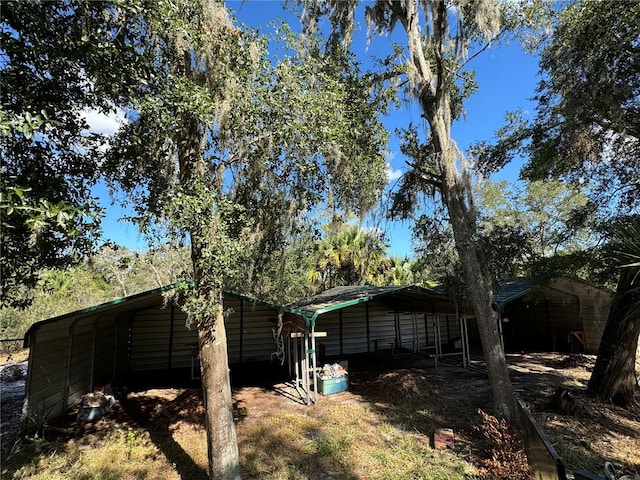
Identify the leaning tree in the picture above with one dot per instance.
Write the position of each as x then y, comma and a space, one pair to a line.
431, 69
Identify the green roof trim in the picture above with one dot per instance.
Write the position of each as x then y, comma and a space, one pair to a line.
129, 300
343, 297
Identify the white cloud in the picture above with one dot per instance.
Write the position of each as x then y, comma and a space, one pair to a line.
106, 124
392, 174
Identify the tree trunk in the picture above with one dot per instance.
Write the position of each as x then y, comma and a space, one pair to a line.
614, 376
222, 444
434, 96
479, 288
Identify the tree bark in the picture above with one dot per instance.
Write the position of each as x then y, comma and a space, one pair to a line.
479, 287
434, 95
614, 377
222, 444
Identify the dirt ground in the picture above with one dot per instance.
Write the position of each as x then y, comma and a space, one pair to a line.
585, 436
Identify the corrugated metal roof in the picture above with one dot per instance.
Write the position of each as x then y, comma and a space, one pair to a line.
139, 300
339, 297
342, 297
508, 289
511, 288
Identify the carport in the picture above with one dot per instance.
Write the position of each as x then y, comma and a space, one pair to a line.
567, 315
366, 319
141, 338
144, 337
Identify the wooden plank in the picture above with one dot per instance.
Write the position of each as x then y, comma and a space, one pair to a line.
544, 461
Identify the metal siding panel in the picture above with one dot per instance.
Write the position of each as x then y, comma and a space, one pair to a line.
47, 370
257, 333
330, 323
150, 335
80, 366
122, 347
407, 330
382, 326
354, 329
185, 341
232, 325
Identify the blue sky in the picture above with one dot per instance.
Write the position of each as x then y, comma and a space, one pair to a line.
506, 76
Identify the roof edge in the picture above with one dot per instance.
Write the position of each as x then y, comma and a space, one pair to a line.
95, 308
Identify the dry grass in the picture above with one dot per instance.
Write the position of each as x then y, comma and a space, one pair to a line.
113, 456
15, 356
345, 440
380, 429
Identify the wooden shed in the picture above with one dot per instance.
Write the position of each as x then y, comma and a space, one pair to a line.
567, 315
141, 336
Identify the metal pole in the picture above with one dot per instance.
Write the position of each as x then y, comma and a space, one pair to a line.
296, 361
289, 354
67, 367
436, 338
465, 341
94, 345
306, 365
436, 325
314, 363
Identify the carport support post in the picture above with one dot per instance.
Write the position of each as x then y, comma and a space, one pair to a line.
296, 361
93, 352
306, 365
115, 349
28, 406
314, 363
436, 331
366, 309
171, 328
67, 368
288, 340
341, 330
465, 341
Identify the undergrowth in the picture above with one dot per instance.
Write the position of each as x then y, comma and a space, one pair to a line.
504, 457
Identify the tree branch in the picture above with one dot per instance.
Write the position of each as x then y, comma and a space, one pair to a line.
429, 178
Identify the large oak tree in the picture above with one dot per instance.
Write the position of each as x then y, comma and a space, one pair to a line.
232, 149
